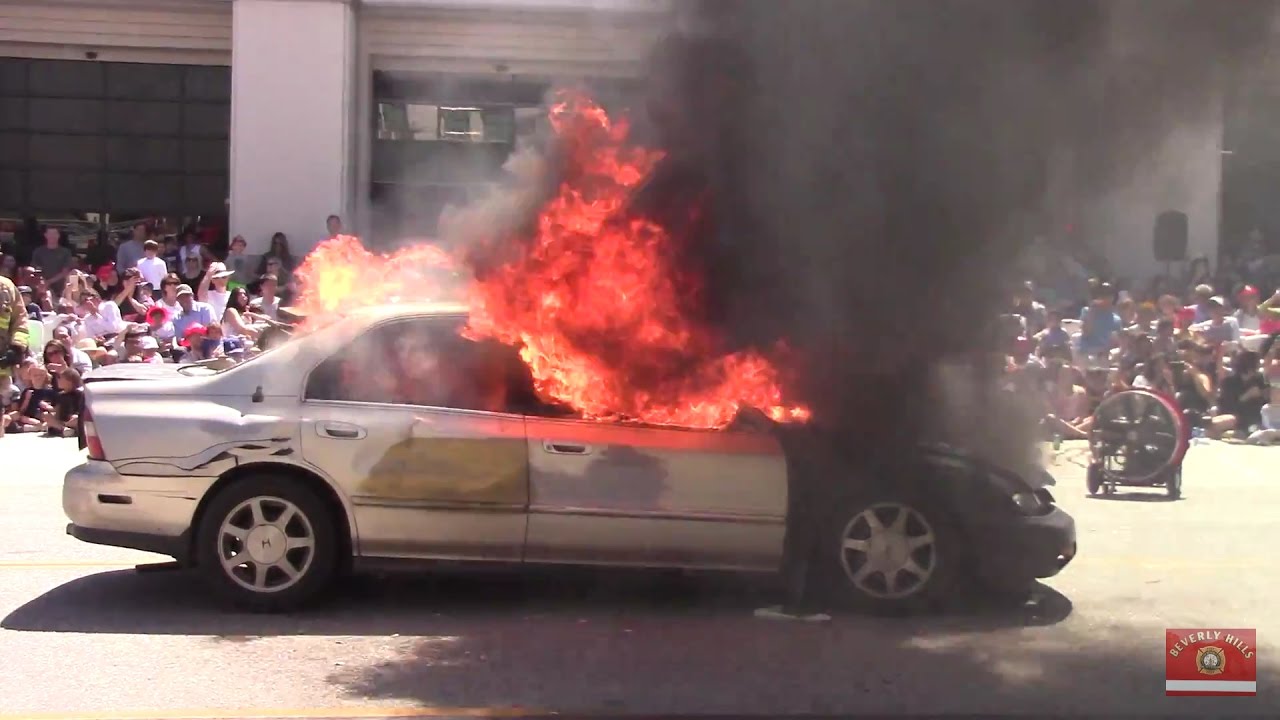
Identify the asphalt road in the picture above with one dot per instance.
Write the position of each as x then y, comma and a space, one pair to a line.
82, 635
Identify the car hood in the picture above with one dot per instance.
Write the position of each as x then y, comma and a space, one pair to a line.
1036, 477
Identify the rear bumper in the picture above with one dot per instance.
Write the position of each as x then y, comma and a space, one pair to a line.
142, 512
174, 547
1026, 548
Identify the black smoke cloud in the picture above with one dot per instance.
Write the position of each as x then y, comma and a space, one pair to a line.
871, 164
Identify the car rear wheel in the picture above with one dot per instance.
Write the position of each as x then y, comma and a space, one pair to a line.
267, 544
891, 552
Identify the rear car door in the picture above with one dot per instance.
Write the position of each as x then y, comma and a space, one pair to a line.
628, 495
431, 471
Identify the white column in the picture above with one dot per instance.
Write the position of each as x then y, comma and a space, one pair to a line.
292, 98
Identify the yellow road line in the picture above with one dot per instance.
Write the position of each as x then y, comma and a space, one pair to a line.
284, 713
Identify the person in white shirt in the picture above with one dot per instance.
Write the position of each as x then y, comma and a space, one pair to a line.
214, 288
1247, 316
100, 318
168, 298
267, 303
151, 265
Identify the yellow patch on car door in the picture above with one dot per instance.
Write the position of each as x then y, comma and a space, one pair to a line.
483, 470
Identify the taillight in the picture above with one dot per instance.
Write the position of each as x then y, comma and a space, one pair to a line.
91, 440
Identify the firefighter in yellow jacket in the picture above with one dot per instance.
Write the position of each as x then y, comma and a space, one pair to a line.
13, 337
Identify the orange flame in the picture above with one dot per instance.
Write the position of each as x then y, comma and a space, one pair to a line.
591, 300
340, 275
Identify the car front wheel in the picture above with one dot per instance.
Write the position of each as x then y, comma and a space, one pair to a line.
267, 544
891, 553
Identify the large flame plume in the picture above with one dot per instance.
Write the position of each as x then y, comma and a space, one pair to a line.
591, 296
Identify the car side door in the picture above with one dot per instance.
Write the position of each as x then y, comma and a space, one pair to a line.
427, 477
653, 496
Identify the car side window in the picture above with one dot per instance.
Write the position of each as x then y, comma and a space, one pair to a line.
426, 361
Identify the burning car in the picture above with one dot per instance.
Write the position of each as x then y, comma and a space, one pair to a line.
391, 435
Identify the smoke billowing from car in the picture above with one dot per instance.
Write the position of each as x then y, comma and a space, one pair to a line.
874, 165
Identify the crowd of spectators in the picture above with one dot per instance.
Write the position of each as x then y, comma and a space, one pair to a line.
142, 299
1206, 342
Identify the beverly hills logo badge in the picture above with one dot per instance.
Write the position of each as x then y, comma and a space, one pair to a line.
1211, 662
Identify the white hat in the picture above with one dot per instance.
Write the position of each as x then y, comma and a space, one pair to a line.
148, 343
218, 270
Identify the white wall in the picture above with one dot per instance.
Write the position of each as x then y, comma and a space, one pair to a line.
1185, 175
292, 95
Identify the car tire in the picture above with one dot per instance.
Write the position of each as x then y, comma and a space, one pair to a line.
878, 570
1173, 485
1093, 479
286, 535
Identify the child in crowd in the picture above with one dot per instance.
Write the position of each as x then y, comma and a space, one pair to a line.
35, 401
64, 419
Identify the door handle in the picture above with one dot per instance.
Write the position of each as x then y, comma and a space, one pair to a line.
563, 448
341, 430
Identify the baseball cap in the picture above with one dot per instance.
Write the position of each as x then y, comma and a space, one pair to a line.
1248, 290
191, 331
149, 343
184, 289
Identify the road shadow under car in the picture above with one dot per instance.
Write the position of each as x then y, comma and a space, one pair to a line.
174, 602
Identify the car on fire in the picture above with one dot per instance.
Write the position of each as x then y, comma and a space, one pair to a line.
389, 436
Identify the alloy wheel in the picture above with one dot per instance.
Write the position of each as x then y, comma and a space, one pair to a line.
889, 551
266, 544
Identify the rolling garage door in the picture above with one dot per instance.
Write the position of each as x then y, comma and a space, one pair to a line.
78, 136
114, 105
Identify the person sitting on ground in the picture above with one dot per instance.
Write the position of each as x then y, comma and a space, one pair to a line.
150, 350
1099, 324
160, 324
131, 308
238, 321
1247, 316
1068, 401
68, 405
101, 318
193, 343
1269, 315
96, 353
36, 400
1220, 327
1199, 310
267, 304
1269, 432
1194, 383
217, 344
1171, 310
1053, 341
193, 312
1240, 400
213, 289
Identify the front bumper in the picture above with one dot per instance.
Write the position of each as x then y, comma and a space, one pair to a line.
1025, 548
148, 513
